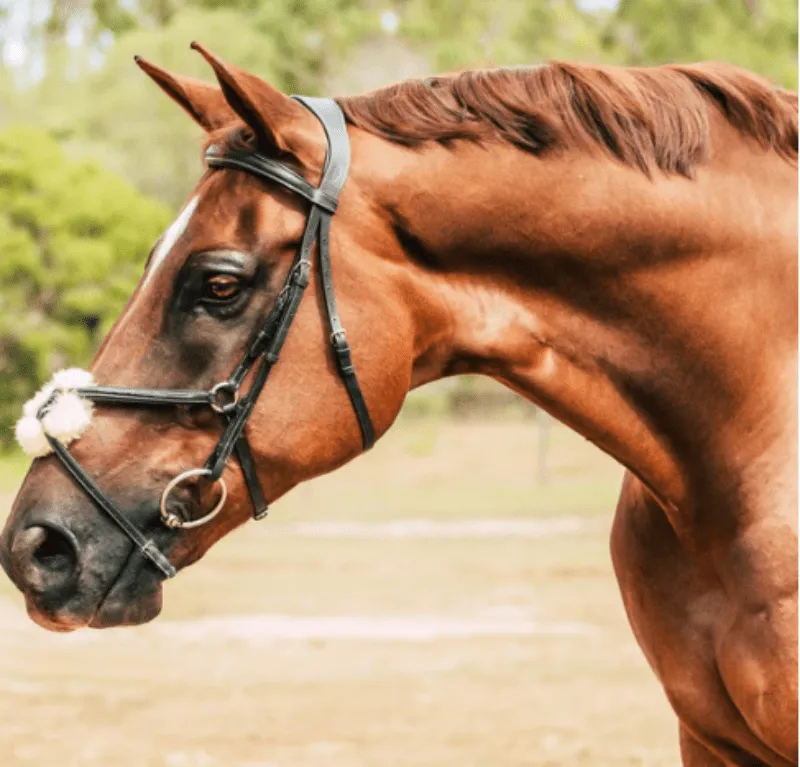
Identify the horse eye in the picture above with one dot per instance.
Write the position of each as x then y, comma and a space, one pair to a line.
221, 287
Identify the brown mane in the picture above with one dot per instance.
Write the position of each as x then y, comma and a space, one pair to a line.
649, 118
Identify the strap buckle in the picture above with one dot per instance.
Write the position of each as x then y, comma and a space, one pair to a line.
342, 350
300, 274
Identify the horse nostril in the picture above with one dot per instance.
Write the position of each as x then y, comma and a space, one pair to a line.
55, 552
45, 558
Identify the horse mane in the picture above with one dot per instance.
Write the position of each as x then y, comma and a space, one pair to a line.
647, 117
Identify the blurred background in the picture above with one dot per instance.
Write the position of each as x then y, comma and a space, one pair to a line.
447, 599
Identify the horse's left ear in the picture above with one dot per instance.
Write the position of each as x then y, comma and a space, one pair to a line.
281, 125
203, 101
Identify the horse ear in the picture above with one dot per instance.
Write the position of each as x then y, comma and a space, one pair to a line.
203, 101
276, 119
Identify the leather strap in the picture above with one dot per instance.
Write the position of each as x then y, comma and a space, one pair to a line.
272, 170
248, 466
294, 289
337, 157
334, 175
122, 395
85, 482
341, 349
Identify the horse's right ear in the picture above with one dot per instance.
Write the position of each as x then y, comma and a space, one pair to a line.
203, 101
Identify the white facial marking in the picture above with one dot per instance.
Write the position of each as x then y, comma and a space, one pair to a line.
170, 237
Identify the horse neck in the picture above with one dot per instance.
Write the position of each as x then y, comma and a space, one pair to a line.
657, 317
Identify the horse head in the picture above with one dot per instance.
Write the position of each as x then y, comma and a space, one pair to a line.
238, 267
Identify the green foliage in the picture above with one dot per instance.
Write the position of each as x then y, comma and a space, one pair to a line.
125, 123
463, 33
73, 238
654, 32
112, 16
472, 32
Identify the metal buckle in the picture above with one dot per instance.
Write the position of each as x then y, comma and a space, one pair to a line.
214, 401
336, 335
300, 273
173, 520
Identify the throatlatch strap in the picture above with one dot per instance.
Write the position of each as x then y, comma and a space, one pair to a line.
334, 174
341, 349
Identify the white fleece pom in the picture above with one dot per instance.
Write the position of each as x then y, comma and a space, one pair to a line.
30, 435
68, 417
33, 405
65, 420
72, 378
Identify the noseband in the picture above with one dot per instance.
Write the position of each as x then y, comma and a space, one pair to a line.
225, 397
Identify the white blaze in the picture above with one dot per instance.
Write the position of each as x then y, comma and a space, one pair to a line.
170, 237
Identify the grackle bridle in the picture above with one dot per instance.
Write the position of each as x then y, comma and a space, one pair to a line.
225, 397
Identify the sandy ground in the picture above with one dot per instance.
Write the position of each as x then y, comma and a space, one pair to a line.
427, 605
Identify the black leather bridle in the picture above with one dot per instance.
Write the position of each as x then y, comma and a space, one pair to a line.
224, 398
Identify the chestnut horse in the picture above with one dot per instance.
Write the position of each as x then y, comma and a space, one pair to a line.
617, 245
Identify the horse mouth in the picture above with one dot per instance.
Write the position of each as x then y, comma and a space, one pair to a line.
59, 622
112, 613
134, 597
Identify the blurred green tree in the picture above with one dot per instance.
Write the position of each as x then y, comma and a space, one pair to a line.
464, 33
73, 238
117, 116
759, 36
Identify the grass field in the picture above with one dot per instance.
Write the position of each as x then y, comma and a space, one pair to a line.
465, 616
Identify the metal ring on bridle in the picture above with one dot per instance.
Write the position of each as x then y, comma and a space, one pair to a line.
214, 397
173, 520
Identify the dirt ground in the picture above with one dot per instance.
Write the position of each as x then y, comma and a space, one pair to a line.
427, 605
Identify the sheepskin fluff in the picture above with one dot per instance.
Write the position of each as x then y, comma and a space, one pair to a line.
65, 420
